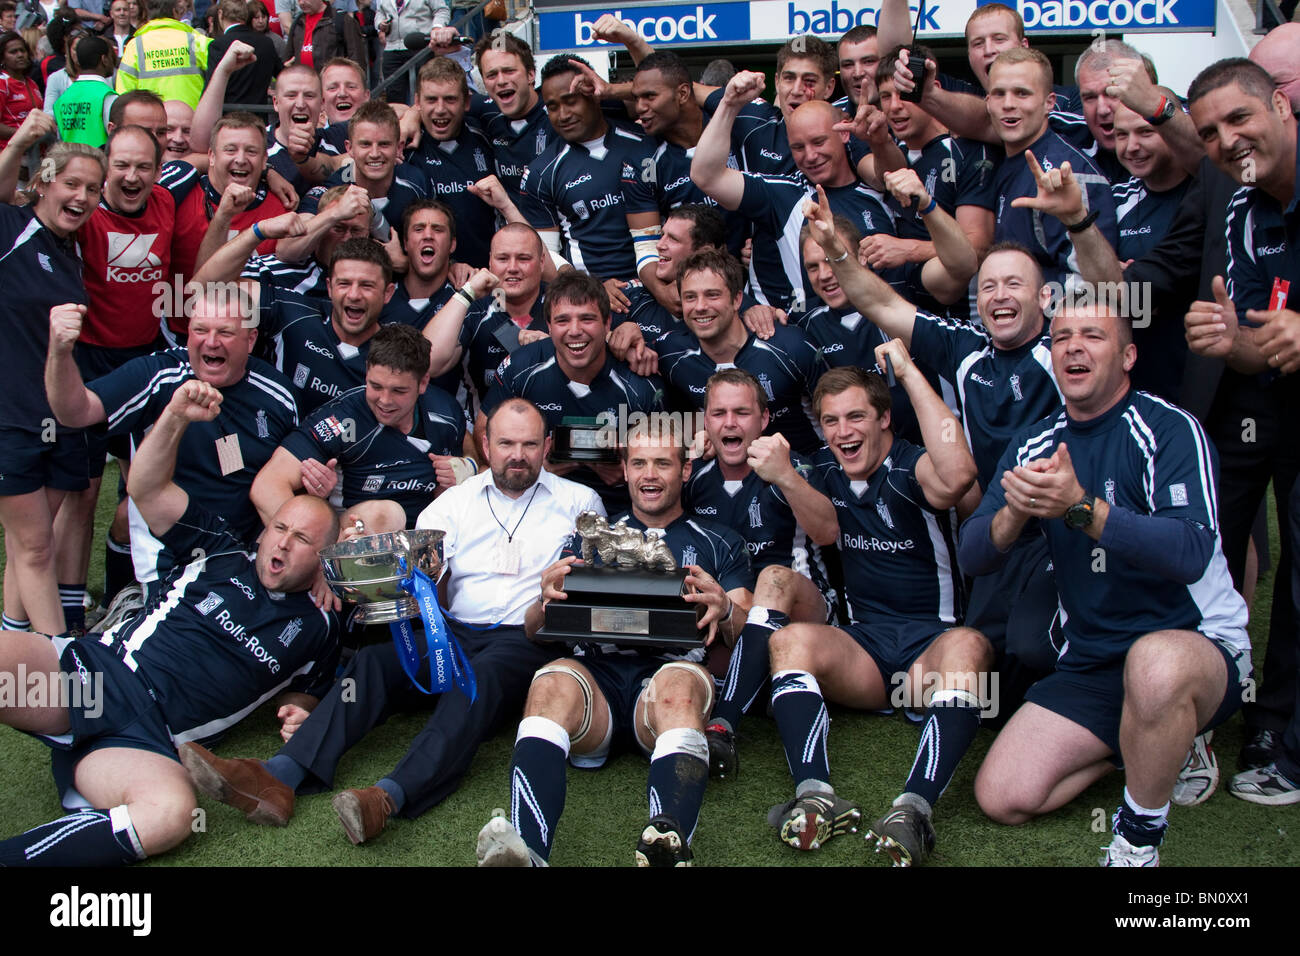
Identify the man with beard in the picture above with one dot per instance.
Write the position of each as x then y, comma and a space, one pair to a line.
606, 698
503, 527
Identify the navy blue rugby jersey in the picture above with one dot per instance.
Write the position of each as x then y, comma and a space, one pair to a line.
1152, 458
590, 192
515, 144
452, 167
1263, 246
1000, 391
1073, 128
956, 172
787, 366
306, 278
378, 461
532, 372
41, 271
481, 347
216, 642
775, 205
1045, 236
256, 413
1144, 215
674, 187
759, 512
899, 552
409, 184
278, 158
715, 548
401, 309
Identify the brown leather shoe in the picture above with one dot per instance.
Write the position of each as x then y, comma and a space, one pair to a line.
243, 783
364, 813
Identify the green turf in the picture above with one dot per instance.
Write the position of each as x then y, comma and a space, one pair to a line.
870, 757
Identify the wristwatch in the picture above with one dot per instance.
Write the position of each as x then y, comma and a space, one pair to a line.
1078, 517
1165, 113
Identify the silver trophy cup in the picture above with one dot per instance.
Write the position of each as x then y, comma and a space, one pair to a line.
367, 572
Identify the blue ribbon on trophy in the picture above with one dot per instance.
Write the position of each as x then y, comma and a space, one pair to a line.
447, 662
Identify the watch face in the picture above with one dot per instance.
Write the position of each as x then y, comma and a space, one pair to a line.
1079, 516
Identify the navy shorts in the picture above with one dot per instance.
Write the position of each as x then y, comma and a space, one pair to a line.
894, 643
110, 706
621, 678
29, 464
1094, 698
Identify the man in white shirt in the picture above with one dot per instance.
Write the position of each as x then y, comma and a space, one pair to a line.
504, 527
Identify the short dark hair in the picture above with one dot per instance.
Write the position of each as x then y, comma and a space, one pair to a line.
420, 205
235, 11
844, 377
400, 347
708, 228
1250, 76
133, 129
501, 40
1010, 245
563, 63
718, 261
90, 52
117, 111
377, 112
809, 48
885, 68
736, 376
57, 30
577, 288
670, 66
857, 34
162, 9
363, 249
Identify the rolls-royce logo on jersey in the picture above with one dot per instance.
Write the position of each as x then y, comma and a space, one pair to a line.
291, 630
689, 556
1178, 495
580, 210
1110, 491
372, 484
755, 513
131, 258
300, 375
1015, 387
882, 509
209, 603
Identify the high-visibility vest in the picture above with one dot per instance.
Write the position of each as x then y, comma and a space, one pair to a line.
80, 112
168, 57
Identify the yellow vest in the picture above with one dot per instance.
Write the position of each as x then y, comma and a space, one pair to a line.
168, 57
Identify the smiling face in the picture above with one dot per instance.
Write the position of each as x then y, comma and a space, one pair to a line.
132, 171
1142, 149
288, 550
658, 104
1010, 298
577, 118
508, 83
442, 108
237, 156
857, 434
180, 121
821, 276
297, 98
1018, 103
578, 332
1245, 136
373, 148
343, 92
986, 37
816, 148
1091, 360
655, 473
907, 121
801, 81
219, 342
392, 396
675, 246
708, 307
516, 259
733, 419
429, 244
358, 293
858, 62
65, 204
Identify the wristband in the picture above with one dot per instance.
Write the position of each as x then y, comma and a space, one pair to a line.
930, 208
1083, 223
466, 295
258, 233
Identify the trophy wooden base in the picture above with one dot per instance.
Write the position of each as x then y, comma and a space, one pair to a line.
625, 607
